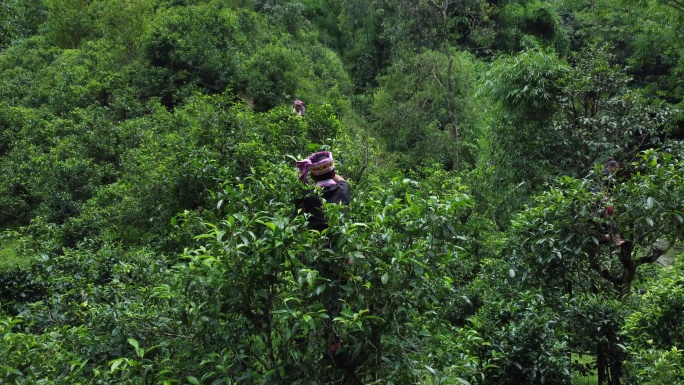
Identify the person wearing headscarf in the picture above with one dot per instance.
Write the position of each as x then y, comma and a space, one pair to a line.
333, 189
299, 108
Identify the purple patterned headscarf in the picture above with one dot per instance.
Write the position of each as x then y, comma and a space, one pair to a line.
324, 164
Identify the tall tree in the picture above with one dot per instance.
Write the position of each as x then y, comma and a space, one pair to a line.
425, 108
554, 117
556, 243
601, 116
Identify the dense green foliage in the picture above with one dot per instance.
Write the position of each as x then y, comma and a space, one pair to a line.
149, 225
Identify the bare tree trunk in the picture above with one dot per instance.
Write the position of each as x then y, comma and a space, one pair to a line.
615, 368
601, 364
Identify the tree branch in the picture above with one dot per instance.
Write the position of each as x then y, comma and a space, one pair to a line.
604, 273
656, 250
625, 254
677, 5
10, 214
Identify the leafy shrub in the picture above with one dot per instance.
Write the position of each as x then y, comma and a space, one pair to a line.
49, 357
655, 333
198, 48
528, 341
423, 109
261, 273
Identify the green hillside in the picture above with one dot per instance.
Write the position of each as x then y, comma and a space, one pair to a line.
151, 225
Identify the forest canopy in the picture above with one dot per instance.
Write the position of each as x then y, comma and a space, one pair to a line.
516, 171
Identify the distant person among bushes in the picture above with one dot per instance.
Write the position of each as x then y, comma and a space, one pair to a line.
606, 213
334, 189
299, 108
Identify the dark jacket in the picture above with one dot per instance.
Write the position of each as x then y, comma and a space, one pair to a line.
311, 203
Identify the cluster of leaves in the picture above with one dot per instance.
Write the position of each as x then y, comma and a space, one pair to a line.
425, 110
556, 246
251, 300
655, 332
558, 117
396, 249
